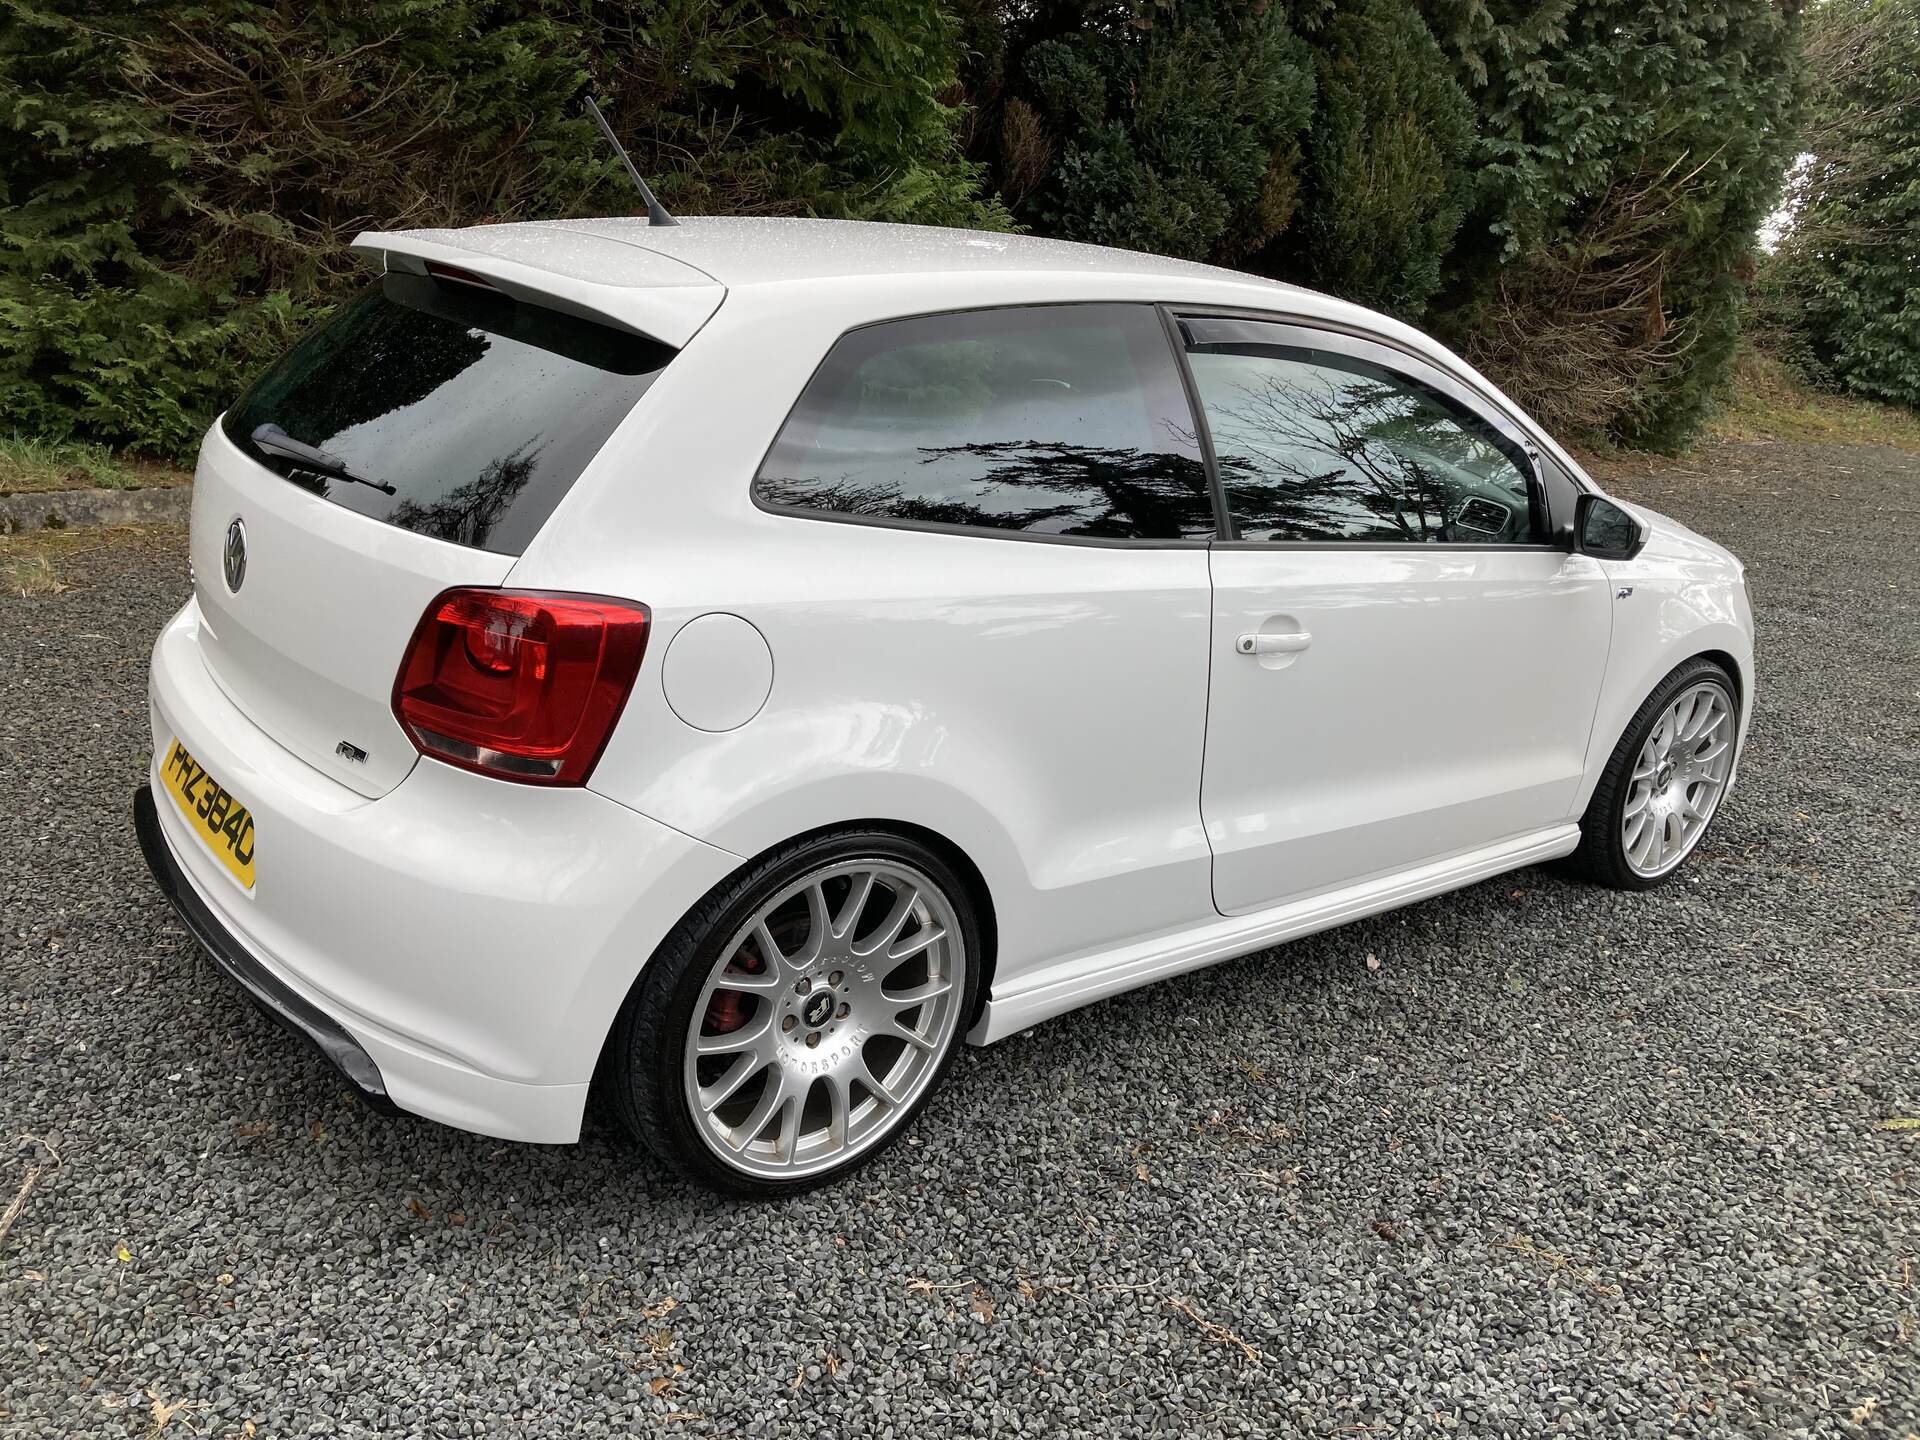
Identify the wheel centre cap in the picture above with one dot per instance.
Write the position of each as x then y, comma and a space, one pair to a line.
818, 1009
1663, 777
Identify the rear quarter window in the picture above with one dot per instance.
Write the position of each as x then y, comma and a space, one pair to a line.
479, 410
1066, 420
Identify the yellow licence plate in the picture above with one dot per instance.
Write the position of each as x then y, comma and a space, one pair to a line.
221, 822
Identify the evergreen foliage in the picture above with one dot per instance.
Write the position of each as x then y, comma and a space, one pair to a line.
179, 180
1628, 151
1170, 127
1567, 189
1842, 293
1386, 161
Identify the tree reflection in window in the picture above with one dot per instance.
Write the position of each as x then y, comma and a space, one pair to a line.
1315, 446
468, 513
1062, 420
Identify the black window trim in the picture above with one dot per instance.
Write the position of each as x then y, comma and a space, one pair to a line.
977, 532
1482, 404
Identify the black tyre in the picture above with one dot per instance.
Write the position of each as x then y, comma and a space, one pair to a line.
793, 1024
1663, 783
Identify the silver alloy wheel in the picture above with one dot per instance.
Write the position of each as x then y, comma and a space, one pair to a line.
825, 1019
1678, 779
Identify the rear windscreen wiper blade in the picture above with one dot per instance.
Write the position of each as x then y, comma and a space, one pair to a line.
270, 439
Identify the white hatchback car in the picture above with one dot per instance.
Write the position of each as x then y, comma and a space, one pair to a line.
743, 659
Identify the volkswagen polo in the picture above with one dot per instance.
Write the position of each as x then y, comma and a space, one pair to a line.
734, 663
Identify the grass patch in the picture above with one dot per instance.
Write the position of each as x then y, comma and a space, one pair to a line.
1769, 403
32, 467
25, 575
36, 563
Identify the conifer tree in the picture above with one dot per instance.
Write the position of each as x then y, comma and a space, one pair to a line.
1628, 151
1171, 127
1386, 161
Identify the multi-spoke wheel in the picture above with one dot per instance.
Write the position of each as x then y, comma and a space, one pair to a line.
1664, 781
796, 1019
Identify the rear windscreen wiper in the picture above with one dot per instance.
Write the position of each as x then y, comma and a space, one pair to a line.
270, 439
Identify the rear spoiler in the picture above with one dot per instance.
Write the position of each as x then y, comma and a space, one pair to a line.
562, 268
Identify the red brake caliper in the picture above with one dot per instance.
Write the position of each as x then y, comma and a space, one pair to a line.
727, 1010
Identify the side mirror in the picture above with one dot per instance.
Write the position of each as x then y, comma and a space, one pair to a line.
1606, 530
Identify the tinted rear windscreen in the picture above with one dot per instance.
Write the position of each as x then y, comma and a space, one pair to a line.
480, 411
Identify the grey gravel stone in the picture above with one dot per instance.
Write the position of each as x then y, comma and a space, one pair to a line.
1568, 1163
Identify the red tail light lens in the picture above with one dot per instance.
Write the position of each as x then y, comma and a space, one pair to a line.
519, 684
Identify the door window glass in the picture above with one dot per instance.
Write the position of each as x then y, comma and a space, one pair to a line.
1314, 445
1042, 420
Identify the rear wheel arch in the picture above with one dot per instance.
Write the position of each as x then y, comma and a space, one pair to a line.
978, 892
979, 895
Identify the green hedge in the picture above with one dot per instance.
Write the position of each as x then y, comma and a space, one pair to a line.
181, 180
1568, 191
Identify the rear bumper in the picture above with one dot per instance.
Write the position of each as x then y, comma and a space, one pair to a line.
286, 1007
460, 943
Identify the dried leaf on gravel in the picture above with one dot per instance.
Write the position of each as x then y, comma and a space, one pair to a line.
982, 1305
165, 1412
419, 1209
1373, 961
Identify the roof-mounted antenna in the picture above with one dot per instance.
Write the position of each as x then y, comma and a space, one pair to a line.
656, 212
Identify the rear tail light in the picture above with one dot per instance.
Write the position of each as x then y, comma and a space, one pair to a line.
519, 684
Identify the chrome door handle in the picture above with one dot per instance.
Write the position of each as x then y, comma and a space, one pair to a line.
1274, 644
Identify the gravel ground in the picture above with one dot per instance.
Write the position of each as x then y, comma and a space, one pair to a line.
1565, 1162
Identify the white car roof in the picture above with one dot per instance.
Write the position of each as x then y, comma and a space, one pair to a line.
739, 251
759, 250
634, 271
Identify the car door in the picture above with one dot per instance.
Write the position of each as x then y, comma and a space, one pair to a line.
1403, 668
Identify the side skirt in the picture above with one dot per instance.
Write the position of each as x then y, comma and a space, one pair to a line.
1082, 979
